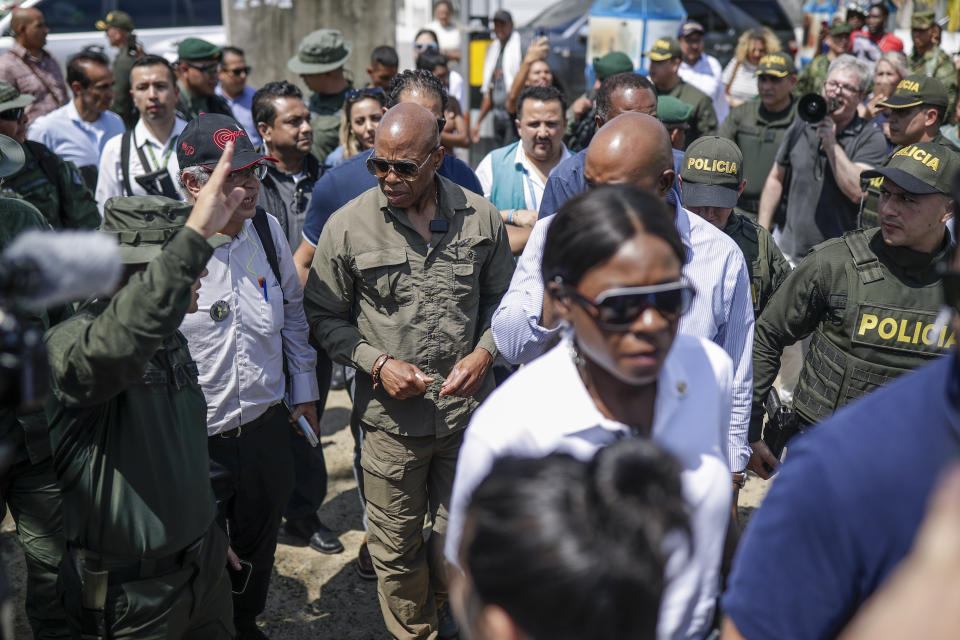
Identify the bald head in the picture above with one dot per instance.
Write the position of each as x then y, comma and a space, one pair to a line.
632, 148
411, 127
29, 29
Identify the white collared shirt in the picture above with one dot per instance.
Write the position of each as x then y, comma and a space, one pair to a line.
71, 137
110, 179
722, 311
239, 356
707, 75
545, 408
533, 184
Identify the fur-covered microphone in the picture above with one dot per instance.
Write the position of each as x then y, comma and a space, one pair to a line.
45, 268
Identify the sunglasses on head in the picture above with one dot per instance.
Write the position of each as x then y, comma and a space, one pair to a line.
12, 114
239, 71
618, 309
210, 68
420, 46
406, 169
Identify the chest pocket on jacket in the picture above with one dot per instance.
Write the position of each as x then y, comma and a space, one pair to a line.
471, 255
385, 276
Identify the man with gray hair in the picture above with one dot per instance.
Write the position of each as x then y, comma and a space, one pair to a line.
819, 165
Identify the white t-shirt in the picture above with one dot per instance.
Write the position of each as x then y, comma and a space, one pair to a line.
545, 408
448, 37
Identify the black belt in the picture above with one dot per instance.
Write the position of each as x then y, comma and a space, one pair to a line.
236, 432
122, 569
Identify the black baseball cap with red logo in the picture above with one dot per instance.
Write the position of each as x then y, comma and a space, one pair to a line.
202, 141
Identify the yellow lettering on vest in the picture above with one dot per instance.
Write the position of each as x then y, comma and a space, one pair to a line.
869, 321
902, 336
926, 337
887, 328
916, 332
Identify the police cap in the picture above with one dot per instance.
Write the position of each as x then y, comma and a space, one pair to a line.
611, 64
778, 65
672, 111
665, 49
711, 172
915, 90
197, 49
921, 168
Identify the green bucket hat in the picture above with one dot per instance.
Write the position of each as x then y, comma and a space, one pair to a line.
665, 49
143, 224
925, 167
197, 49
712, 170
611, 64
672, 111
11, 98
915, 90
319, 52
116, 20
11, 156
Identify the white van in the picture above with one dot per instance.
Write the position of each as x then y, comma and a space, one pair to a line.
160, 24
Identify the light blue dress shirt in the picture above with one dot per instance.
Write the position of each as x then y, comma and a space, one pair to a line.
242, 108
71, 137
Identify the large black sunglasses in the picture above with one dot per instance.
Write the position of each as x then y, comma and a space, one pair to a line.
618, 309
239, 71
13, 115
210, 68
406, 169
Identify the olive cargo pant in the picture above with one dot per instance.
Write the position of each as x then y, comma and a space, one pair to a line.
404, 478
32, 494
192, 602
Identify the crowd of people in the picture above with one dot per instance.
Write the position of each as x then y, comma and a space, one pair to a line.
564, 363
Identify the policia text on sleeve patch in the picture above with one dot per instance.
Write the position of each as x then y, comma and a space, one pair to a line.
901, 330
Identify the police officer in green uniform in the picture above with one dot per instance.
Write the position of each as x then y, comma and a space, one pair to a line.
46, 181
145, 557
198, 62
665, 58
757, 126
319, 62
814, 74
119, 28
917, 108
929, 59
711, 179
581, 124
675, 116
29, 485
869, 298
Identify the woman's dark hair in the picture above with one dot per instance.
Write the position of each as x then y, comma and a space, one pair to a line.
591, 227
431, 32
574, 550
410, 79
431, 59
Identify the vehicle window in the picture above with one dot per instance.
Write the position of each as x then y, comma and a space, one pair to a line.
64, 16
766, 13
561, 14
706, 16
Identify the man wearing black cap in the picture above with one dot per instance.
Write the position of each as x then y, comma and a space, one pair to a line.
500, 65
844, 509
916, 109
701, 69
198, 62
246, 363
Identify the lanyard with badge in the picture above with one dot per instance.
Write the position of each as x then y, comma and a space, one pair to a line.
158, 181
529, 184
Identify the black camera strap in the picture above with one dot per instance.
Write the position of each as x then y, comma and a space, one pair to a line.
150, 179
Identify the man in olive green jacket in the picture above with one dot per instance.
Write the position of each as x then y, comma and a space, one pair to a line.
403, 285
128, 429
665, 59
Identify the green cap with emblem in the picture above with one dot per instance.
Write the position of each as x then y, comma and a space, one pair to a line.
115, 20
11, 98
665, 49
840, 29
320, 51
921, 168
672, 111
611, 64
143, 224
11, 156
915, 90
197, 49
778, 65
711, 172
923, 20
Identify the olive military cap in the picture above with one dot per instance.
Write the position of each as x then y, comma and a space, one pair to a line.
711, 172
143, 224
672, 111
665, 49
923, 20
11, 156
611, 64
921, 168
778, 65
915, 90
320, 51
197, 49
116, 20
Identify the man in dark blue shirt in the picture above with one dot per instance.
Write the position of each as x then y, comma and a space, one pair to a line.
845, 508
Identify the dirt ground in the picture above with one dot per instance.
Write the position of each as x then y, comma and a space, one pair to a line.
314, 595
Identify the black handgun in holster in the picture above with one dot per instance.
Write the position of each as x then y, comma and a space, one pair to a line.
782, 424
157, 183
